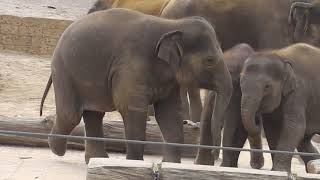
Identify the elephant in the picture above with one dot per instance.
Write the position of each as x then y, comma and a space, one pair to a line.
153, 7
282, 85
124, 60
263, 24
234, 134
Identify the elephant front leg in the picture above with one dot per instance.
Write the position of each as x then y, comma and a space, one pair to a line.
168, 116
135, 119
291, 134
204, 156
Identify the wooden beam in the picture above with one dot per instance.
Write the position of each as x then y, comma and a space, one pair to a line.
172, 171
117, 169
112, 129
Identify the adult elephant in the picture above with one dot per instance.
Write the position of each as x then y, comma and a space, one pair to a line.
234, 134
141, 60
283, 86
153, 7
260, 23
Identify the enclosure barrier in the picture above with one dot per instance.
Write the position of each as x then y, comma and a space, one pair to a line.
106, 168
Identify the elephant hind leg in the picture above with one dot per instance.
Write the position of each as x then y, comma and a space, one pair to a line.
94, 128
306, 146
68, 112
63, 125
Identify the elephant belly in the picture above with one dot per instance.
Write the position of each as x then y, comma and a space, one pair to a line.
96, 99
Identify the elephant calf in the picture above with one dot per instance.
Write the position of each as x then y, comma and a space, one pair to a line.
124, 60
284, 86
234, 134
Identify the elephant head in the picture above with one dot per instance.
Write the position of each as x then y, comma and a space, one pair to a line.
265, 80
303, 14
195, 56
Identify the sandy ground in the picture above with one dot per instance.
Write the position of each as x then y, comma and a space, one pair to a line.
22, 81
54, 9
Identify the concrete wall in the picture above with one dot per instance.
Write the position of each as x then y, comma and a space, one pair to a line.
30, 35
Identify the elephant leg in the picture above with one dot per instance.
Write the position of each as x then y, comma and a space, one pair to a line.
306, 146
272, 131
135, 129
195, 104
63, 125
234, 135
185, 103
204, 156
291, 134
94, 128
171, 126
68, 113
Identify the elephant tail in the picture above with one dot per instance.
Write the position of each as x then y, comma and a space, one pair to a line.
45, 93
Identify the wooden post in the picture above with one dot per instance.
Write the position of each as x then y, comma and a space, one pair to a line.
118, 169
112, 129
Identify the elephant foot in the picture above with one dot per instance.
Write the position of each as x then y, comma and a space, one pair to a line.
279, 167
58, 145
257, 162
89, 156
204, 158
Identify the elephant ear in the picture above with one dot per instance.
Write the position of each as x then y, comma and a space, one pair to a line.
169, 48
290, 78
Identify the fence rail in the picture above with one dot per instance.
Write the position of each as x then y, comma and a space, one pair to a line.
42, 135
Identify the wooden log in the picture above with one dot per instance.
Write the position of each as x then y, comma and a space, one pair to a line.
117, 169
112, 129
172, 171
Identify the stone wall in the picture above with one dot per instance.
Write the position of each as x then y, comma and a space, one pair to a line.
30, 34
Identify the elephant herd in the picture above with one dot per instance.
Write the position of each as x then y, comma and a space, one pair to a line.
257, 59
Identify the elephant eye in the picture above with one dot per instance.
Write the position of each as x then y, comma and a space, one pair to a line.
267, 87
210, 61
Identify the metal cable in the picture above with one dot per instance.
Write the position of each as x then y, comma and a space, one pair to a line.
41, 135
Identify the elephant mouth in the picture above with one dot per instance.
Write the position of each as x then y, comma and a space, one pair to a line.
265, 109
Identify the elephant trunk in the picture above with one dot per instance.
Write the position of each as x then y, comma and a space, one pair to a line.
249, 107
301, 26
223, 95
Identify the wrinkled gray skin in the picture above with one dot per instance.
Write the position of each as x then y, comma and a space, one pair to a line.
260, 23
124, 60
234, 134
282, 86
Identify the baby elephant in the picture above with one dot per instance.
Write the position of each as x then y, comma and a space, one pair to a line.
124, 60
234, 134
284, 86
